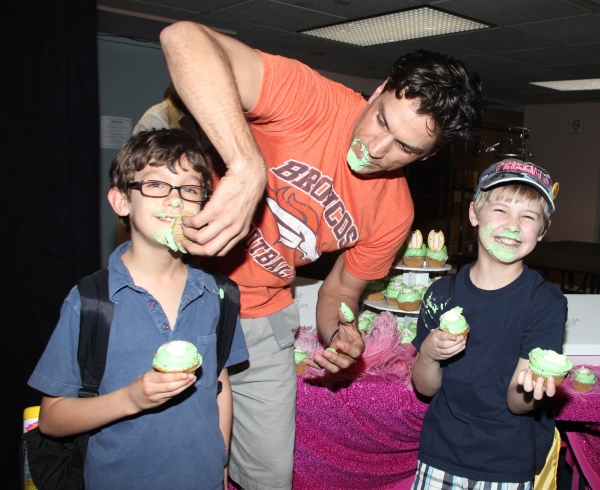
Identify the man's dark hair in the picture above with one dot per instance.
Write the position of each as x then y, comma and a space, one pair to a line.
446, 91
157, 148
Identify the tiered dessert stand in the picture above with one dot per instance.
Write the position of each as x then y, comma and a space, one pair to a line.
411, 276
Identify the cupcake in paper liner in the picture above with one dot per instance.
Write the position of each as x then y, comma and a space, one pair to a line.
414, 256
173, 235
409, 299
549, 364
583, 379
299, 355
454, 322
375, 290
407, 332
178, 356
391, 294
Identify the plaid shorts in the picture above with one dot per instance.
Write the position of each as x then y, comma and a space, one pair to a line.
428, 477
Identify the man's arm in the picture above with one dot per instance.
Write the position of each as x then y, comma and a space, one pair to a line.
218, 78
339, 286
524, 394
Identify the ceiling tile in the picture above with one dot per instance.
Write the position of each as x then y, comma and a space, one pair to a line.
553, 56
508, 12
277, 15
534, 74
354, 9
494, 40
488, 62
128, 26
590, 70
365, 56
588, 48
302, 42
430, 44
163, 10
572, 30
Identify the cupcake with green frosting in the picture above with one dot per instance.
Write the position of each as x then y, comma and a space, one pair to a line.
365, 321
420, 288
407, 332
409, 299
414, 257
178, 356
436, 258
299, 356
583, 379
391, 293
375, 290
549, 364
454, 322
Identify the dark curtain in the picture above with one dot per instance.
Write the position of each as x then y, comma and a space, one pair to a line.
50, 187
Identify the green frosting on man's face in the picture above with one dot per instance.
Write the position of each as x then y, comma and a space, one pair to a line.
354, 162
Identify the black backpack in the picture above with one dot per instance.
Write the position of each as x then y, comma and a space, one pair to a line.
57, 463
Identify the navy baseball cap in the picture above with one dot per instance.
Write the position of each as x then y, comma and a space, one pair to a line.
519, 172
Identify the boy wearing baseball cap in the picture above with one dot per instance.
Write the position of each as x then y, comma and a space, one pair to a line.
489, 425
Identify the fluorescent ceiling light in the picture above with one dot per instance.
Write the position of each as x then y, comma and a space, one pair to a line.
399, 26
571, 85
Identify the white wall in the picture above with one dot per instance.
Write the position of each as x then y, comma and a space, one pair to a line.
132, 77
573, 160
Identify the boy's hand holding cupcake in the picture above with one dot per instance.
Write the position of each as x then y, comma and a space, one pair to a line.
449, 339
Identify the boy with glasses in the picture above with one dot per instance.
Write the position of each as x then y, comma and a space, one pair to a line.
150, 429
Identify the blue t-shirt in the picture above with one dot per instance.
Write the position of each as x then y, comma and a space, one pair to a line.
468, 429
177, 445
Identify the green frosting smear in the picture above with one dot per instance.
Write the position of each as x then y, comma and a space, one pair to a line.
347, 312
176, 356
354, 162
365, 320
332, 349
501, 252
453, 322
221, 293
547, 363
584, 376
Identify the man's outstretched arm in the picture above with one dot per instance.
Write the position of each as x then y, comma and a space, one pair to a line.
218, 78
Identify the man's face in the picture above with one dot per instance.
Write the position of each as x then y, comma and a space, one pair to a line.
389, 134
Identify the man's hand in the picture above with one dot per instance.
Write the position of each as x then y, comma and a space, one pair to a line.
348, 343
226, 218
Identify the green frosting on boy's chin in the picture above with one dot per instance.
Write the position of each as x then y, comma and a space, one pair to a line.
354, 162
500, 252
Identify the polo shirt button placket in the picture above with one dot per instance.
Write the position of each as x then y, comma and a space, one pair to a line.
165, 327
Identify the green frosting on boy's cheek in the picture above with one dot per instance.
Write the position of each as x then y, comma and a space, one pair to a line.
487, 231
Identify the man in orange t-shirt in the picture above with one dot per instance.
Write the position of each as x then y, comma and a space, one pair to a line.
311, 167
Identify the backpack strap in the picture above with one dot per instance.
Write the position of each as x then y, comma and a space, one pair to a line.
229, 302
95, 319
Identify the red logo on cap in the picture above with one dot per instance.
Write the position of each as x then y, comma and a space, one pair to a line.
529, 168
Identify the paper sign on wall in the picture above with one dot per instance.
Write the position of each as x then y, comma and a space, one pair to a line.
576, 125
114, 131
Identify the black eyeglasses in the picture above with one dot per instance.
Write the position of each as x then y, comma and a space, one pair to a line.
156, 188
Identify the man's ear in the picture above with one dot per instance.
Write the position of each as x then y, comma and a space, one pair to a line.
118, 201
377, 92
472, 215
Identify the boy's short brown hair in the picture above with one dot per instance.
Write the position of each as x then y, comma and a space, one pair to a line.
514, 193
157, 148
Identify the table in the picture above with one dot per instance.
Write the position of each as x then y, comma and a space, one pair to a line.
567, 257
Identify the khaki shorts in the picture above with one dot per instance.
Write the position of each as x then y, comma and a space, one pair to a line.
264, 407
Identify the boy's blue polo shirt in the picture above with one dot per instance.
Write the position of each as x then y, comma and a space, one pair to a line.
177, 445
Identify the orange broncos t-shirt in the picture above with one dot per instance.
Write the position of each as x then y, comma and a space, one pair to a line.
313, 202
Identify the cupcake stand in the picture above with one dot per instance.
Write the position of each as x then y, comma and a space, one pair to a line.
359, 431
